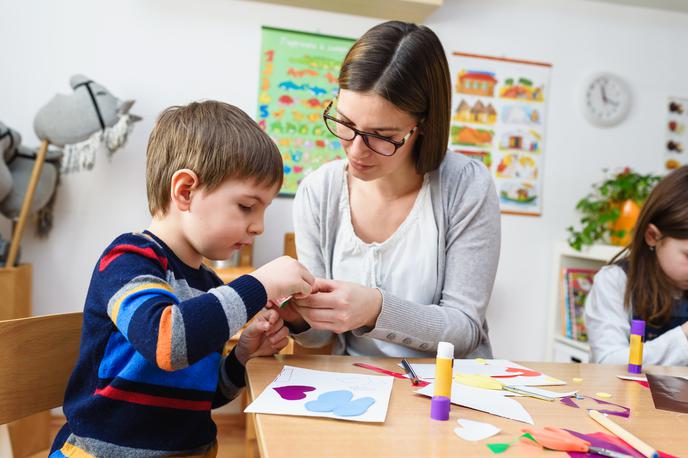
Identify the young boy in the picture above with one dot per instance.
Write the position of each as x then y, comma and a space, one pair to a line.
156, 319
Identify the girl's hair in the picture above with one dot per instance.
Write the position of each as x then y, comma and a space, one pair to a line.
406, 64
648, 289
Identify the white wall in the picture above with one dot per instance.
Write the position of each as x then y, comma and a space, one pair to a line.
165, 52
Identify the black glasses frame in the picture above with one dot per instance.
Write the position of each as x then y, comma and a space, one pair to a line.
365, 135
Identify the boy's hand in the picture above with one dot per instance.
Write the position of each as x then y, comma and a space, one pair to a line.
264, 336
284, 277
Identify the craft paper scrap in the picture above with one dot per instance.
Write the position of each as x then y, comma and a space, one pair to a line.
489, 401
339, 395
471, 430
542, 392
635, 378
506, 371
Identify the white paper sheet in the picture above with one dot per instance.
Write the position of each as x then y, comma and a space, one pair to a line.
491, 367
489, 401
636, 378
472, 430
360, 385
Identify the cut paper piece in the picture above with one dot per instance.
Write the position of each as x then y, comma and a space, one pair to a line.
605, 441
478, 381
577, 379
669, 393
602, 394
635, 378
522, 372
354, 408
293, 392
498, 448
489, 401
624, 413
480, 361
639, 379
547, 393
471, 430
340, 403
327, 402
368, 395
511, 371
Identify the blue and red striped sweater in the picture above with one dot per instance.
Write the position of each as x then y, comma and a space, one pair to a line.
150, 366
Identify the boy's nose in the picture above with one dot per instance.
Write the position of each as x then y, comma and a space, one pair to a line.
256, 228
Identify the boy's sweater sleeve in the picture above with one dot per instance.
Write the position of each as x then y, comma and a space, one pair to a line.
169, 331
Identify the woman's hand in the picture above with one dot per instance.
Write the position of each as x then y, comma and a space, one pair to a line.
340, 306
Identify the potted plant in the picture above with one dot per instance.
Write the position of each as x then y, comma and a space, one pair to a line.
611, 210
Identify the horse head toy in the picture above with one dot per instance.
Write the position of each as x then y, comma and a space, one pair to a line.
79, 125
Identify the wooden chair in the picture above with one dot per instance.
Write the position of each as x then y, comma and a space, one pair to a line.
37, 355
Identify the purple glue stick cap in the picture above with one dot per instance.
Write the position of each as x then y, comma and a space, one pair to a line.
638, 327
439, 408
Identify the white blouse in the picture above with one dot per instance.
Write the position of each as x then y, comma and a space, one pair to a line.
405, 264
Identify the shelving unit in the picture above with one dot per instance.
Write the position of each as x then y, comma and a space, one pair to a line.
402, 10
559, 347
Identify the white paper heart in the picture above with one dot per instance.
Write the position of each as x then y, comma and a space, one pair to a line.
475, 430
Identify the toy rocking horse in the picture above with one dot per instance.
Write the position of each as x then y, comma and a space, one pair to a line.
79, 124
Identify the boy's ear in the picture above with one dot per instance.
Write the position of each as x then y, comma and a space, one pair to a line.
184, 183
652, 235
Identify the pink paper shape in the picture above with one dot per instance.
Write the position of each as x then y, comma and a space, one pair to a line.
293, 392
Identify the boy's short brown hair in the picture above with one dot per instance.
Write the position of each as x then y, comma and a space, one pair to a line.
214, 139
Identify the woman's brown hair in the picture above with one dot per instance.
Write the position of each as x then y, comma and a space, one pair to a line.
406, 64
648, 289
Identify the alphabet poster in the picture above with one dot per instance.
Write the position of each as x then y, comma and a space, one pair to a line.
499, 109
298, 78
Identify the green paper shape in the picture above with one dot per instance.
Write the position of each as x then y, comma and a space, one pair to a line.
498, 448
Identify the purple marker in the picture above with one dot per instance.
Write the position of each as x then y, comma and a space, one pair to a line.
635, 355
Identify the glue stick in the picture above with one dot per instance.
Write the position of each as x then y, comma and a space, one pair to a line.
440, 404
635, 355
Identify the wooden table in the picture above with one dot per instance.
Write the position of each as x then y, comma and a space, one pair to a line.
409, 431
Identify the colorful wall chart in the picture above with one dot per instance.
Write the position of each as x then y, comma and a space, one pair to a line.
676, 146
498, 117
298, 77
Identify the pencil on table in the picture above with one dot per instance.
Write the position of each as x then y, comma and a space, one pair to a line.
621, 433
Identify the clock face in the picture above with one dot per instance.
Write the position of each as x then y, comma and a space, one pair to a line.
607, 100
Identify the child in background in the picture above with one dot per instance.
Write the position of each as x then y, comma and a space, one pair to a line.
156, 319
647, 281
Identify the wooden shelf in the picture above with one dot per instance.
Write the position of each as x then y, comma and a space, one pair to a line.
402, 10
564, 256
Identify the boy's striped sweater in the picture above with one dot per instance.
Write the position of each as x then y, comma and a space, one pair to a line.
150, 366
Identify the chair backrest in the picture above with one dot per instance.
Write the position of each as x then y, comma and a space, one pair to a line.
37, 355
290, 245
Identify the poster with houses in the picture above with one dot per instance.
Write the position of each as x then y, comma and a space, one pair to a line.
298, 78
499, 109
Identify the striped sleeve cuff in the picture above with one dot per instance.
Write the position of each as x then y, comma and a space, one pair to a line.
252, 293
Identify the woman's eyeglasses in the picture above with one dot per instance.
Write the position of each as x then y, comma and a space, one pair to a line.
381, 145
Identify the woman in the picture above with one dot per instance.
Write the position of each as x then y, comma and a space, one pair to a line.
404, 236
